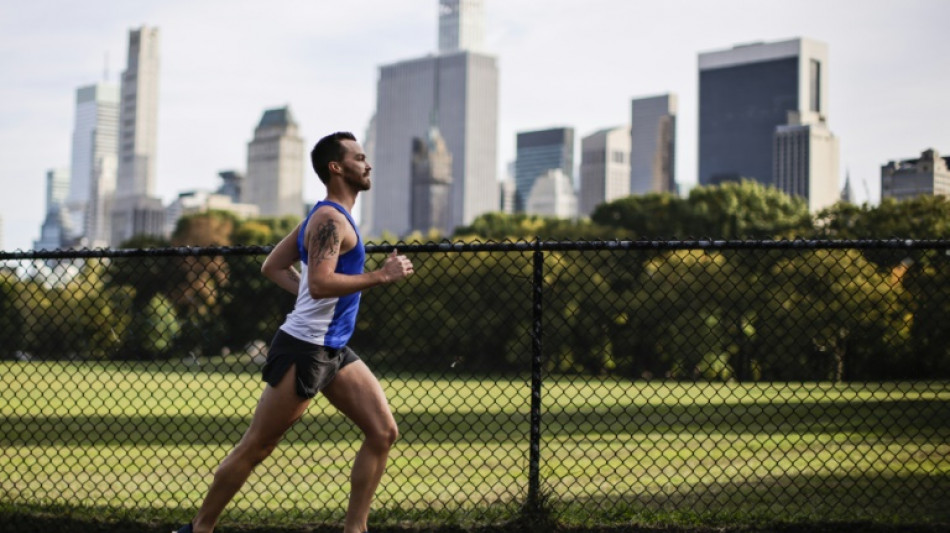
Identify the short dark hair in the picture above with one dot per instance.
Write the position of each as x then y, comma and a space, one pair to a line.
327, 149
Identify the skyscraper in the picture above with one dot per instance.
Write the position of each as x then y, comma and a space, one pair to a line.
95, 136
275, 159
55, 232
461, 25
605, 168
805, 156
138, 116
745, 93
538, 152
552, 195
457, 91
431, 183
653, 144
136, 211
101, 200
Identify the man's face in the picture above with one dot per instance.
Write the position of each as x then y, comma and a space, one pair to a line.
356, 168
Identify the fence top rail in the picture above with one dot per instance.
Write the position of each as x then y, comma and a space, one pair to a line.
506, 246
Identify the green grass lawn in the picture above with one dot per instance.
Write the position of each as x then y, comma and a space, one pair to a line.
141, 441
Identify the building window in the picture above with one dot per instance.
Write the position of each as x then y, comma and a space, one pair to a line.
815, 85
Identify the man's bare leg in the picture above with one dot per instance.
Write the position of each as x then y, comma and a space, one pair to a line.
356, 392
277, 410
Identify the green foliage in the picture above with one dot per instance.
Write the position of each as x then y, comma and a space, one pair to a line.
733, 210
464, 311
213, 228
12, 325
145, 241
734, 315
922, 217
521, 226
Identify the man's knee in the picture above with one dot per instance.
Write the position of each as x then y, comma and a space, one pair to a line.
255, 450
384, 436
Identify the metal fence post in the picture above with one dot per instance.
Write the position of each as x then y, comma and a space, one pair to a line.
534, 460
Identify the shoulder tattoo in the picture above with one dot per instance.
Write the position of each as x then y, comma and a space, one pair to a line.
324, 242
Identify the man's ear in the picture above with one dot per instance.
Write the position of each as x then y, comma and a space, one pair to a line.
335, 166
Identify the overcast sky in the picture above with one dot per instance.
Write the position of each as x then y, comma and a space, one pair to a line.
562, 63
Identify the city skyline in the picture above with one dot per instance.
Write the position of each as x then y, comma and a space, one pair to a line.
885, 92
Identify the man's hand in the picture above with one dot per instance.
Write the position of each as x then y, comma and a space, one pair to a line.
396, 267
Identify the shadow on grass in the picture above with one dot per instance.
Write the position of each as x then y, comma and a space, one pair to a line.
906, 499
26, 522
893, 418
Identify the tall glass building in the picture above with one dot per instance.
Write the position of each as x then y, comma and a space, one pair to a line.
455, 91
745, 93
135, 209
538, 152
95, 136
653, 144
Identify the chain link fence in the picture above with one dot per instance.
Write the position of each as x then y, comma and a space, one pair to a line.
590, 383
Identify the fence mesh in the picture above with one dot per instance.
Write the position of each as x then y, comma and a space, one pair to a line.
598, 382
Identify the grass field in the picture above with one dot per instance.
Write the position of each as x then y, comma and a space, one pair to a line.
141, 441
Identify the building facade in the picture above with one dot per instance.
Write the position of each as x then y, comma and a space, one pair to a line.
56, 230
101, 200
198, 201
136, 210
605, 168
431, 184
805, 155
927, 175
95, 136
275, 166
552, 195
653, 144
461, 25
538, 152
458, 92
745, 93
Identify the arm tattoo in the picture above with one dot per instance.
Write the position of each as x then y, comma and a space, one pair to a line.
293, 276
324, 242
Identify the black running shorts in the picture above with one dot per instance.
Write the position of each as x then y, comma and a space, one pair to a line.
316, 365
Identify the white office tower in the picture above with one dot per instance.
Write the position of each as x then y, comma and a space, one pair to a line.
461, 25
552, 195
101, 199
136, 211
95, 136
806, 160
605, 168
275, 159
457, 91
653, 144
56, 230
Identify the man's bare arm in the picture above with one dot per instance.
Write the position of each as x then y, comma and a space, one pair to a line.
325, 239
279, 265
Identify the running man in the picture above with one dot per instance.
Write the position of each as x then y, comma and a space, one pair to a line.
309, 352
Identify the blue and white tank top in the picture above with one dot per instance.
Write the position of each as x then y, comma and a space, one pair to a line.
326, 321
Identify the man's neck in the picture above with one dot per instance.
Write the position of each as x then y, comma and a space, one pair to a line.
345, 200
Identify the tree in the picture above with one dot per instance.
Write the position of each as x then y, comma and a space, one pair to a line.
733, 210
12, 325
